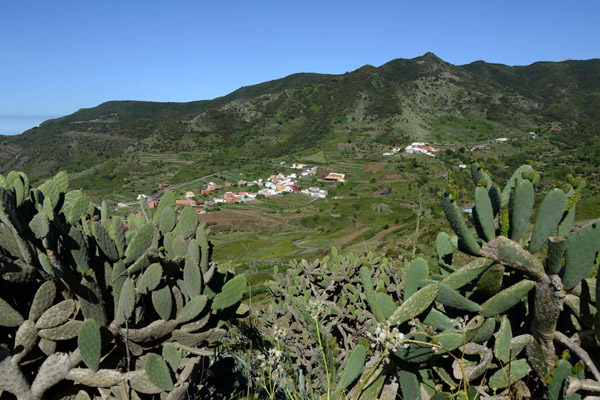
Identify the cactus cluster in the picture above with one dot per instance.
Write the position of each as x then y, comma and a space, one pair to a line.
330, 293
120, 308
489, 327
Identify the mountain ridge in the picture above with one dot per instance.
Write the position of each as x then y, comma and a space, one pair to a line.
400, 100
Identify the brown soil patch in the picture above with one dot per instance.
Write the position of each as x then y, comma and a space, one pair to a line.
350, 237
372, 168
394, 177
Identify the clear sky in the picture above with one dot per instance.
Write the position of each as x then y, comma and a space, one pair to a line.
59, 56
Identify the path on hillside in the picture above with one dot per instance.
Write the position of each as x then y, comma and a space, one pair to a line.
350, 237
382, 233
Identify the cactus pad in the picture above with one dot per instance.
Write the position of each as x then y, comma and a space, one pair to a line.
43, 299
150, 278
56, 315
168, 220
192, 309
516, 369
162, 302
549, 216
417, 270
510, 185
502, 347
188, 221
67, 331
192, 277
158, 372
231, 293
415, 305
581, 249
354, 367
483, 215
506, 298
520, 209
466, 241
105, 241
90, 344
171, 355
126, 302
139, 243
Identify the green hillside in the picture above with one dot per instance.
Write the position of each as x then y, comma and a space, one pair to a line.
547, 112
423, 98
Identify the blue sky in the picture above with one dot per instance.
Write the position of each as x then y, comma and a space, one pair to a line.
59, 56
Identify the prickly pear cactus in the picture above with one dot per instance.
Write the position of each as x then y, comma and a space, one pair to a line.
87, 298
542, 277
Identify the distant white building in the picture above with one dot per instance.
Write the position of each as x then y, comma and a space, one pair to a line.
421, 147
334, 176
268, 192
502, 139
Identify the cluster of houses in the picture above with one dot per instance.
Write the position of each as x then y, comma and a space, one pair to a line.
415, 147
421, 147
271, 186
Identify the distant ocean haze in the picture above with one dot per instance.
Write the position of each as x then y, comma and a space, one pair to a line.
16, 124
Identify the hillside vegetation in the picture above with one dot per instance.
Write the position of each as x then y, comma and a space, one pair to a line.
419, 99
341, 123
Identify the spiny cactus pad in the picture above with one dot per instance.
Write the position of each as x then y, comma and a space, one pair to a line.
516, 369
417, 270
549, 216
466, 241
506, 298
126, 302
484, 214
68, 330
56, 315
168, 220
150, 278
43, 299
192, 309
162, 302
192, 277
90, 344
581, 249
520, 209
415, 305
230, 294
188, 221
139, 243
502, 348
171, 355
158, 372
354, 367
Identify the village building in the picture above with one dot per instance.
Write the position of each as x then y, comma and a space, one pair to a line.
185, 202
190, 195
421, 147
334, 176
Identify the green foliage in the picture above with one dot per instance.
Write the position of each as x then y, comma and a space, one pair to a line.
76, 278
